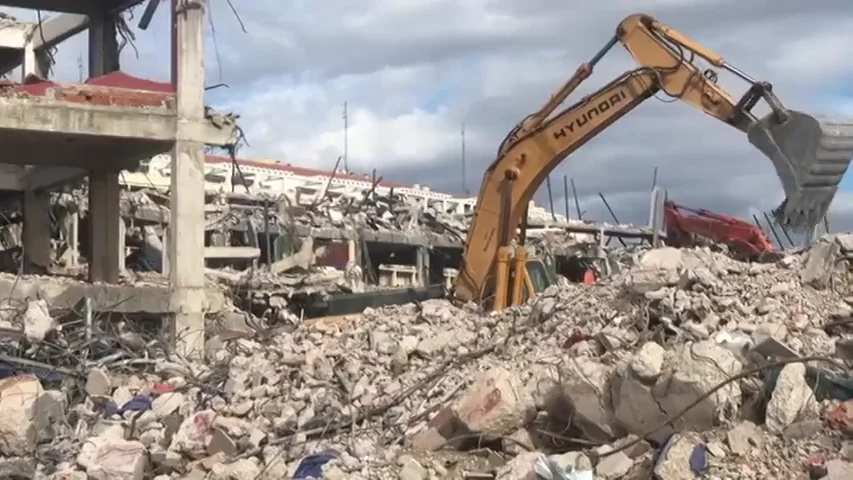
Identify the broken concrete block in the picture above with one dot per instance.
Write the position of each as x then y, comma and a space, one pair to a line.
838, 470
445, 340
613, 467
666, 258
98, 383
845, 241
520, 441
820, 263
37, 320
644, 281
431, 438
221, 442
411, 469
497, 403
167, 404
743, 437
689, 375
774, 330
647, 363
118, 459
792, 399
194, 434
18, 400
519, 468
674, 461
244, 468
635, 407
18, 467
50, 408
583, 396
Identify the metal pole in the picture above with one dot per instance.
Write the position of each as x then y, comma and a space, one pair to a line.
577, 204
267, 241
550, 198
566, 194
346, 139
464, 180
612, 214
773, 230
785, 232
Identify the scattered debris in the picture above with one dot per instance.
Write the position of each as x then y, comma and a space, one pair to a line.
585, 381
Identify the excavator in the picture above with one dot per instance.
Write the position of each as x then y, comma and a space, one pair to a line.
746, 241
810, 155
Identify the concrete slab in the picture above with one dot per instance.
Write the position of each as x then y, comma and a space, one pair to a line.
73, 6
131, 111
232, 253
68, 294
13, 34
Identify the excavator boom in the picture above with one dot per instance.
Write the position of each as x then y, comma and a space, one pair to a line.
540, 142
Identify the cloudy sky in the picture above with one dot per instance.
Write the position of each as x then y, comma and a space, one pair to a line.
412, 73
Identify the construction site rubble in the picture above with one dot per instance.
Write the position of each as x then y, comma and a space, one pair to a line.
684, 363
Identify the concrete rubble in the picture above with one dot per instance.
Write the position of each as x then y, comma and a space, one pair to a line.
683, 362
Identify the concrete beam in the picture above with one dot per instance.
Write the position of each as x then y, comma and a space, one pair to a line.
39, 115
11, 177
232, 253
20, 178
48, 116
58, 29
46, 177
73, 6
14, 35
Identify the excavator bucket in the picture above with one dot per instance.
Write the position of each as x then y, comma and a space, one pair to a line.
811, 156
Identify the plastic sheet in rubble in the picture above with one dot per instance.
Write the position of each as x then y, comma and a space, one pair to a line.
548, 468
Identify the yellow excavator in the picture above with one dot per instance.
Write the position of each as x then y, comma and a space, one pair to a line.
810, 155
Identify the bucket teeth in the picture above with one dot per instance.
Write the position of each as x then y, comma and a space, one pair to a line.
811, 156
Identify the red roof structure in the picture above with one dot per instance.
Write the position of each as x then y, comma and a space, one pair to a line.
302, 171
114, 89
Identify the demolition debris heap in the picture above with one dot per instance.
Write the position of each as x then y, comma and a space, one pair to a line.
685, 361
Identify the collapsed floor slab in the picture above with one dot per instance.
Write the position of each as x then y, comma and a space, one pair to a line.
63, 294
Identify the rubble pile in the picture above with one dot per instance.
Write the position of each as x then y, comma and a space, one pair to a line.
684, 364
379, 212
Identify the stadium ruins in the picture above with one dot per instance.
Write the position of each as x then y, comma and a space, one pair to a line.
305, 347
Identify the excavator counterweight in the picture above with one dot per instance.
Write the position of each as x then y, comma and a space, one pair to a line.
810, 155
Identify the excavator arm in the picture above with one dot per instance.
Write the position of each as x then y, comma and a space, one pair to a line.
492, 269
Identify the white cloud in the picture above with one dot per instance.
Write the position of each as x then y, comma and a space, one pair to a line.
413, 72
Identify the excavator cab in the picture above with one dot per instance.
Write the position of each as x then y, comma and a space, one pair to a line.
539, 274
542, 272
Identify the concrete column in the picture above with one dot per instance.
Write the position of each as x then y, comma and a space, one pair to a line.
36, 235
103, 45
34, 62
186, 247
352, 252
120, 244
71, 235
164, 248
105, 264
422, 261
104, 214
